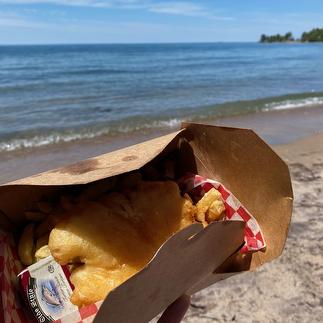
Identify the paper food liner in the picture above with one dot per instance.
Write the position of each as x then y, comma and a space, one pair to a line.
197, 186
13, 308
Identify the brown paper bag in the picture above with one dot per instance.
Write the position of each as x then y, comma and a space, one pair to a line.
194, 258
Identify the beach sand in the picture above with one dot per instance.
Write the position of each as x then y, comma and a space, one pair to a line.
290, 288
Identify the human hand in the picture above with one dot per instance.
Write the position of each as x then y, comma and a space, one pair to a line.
176, 311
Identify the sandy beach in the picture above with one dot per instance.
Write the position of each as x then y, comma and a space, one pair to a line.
290, 288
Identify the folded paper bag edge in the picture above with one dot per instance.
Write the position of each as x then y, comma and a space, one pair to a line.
102, 166
256, 175
171, 272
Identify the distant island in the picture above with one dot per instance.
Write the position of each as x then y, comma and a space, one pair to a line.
315, 35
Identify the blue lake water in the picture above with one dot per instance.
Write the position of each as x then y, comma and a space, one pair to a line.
61, 93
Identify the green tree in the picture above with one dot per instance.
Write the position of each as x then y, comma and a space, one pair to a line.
289, 37
276, 38
315, 35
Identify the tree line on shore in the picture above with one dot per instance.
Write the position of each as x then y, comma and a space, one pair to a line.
315, 35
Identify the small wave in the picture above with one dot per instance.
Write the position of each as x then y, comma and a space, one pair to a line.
138, 124
39, 141
58, 138
293, 104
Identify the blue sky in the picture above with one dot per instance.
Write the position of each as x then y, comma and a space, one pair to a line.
137, 21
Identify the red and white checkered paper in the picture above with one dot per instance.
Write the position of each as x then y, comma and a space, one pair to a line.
197, 186
83, 315
12, 307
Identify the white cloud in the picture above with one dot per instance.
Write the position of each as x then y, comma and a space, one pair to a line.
179, 8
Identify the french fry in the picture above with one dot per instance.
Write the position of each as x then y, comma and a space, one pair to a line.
35, 216
26, 245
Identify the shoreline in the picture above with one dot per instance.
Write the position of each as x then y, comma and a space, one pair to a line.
277, 127
138, 126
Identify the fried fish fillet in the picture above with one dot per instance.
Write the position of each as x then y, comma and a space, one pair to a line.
117, 237
94, 235
93, 283
160, 210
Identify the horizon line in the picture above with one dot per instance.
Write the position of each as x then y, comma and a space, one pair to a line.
129, 43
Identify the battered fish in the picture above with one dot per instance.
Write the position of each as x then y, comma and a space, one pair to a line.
160, 210
94, 235
92, 283
116, 237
